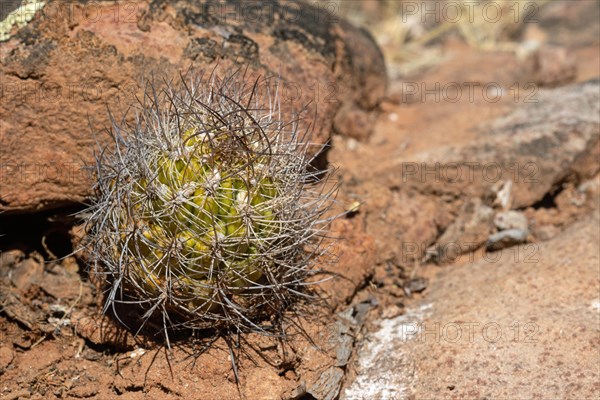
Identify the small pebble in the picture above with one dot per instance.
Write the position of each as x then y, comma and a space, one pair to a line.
137, 352
507, 238
511, 220
352, 144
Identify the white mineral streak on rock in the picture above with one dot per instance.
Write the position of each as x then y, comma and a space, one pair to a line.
384, 370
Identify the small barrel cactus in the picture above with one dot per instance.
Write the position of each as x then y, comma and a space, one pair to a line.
207, 212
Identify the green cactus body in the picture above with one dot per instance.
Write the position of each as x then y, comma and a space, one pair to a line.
205, 211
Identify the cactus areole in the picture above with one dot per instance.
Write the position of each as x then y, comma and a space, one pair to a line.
206, 212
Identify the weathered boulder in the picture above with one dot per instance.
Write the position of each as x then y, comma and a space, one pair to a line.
520, 323
515, 160
62, 70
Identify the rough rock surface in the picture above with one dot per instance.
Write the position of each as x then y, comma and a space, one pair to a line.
63, 70
520, 324
542, 175
535, 147
468, 231
419, 194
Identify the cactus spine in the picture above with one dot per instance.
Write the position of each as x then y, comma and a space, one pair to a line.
206, 212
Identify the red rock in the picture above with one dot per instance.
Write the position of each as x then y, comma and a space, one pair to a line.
522, 326
63, 70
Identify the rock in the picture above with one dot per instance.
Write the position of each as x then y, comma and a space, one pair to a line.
536, 147
343, 336
507, 238
565, 204
384, 367
403, 224
328, 385
545, 232
62, 70
13, 306
296, 393
358, 250
415, 285
26, 272
502, 194
469, 230
570, 24
485, 330
9, 259
391, 311
7, 355
102, 331
84, 387
591, 186
551, 66
353, 122
511, 219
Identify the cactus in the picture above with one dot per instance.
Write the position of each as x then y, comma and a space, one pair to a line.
206, 211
